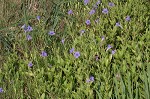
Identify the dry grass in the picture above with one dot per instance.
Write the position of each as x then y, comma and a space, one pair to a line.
12, 10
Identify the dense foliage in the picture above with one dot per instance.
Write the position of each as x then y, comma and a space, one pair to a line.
80, 49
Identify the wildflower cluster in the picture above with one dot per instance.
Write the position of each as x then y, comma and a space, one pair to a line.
105, 11
76, 54
27, 29
109, 47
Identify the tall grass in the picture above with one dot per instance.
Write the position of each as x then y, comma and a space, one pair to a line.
110, 57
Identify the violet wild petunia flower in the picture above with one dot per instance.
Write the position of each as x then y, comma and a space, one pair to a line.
88, 80
109, 47
118, 24
76, 54
113, 52
97, 57
105, 11
127, 18
88, 22
25, 28
29, 37
111, 4
43, 54
62, 41
72, 50
103, 38
1, 90
29, 28
86, 2
51, 33
82, 31
98, 2
91, 79
92, 12
30, 64
70, 12
38, 17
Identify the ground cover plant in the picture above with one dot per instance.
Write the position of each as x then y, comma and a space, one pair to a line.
75, 49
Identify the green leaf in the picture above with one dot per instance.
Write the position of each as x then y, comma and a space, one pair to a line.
42, 96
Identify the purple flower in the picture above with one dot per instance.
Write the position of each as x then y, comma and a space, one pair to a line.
82, 31
91, 79
111, 4
98, 2
51, 33
108, 47
92, 12
38, 17
127, 18
29, 37
118, 24
76, 54
103, 38
43, 54
70, 12
86, 2
105, 11
113, 52
88, 22
72, 50
62, 41
88, 80
25, 28
30, 64
29, 28
97, 57
1, 90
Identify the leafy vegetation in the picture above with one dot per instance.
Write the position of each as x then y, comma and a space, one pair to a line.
63, 49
